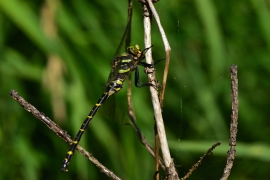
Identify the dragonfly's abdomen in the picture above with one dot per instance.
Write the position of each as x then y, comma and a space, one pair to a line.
81, 131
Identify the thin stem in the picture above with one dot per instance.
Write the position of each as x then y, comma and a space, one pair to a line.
170, 169
234, 123
132, 117
167, 49
194, 167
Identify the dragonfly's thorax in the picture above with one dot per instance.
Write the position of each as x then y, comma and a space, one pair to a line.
121, 68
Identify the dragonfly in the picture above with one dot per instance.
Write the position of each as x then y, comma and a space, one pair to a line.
122, 66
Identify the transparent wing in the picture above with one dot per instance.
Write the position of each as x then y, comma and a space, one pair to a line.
116, 110
126, 35
119, 112
109, 107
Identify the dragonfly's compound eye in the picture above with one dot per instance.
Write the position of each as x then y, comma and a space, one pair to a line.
137, 47
134, 49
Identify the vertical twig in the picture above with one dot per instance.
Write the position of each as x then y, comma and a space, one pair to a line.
131, 113
170, 168
147, 24
167, 49
129, 89
147, 41
234, 123
156, 152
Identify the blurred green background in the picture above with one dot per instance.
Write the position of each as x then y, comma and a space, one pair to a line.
57, 56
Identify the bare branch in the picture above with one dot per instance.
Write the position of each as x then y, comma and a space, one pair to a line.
132, 117
59, 132
167, 49
194, 167
170, 169
234, 123
137, 129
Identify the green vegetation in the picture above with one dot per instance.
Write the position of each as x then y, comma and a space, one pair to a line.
63, 74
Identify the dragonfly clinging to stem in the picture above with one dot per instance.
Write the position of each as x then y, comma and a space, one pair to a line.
122, 66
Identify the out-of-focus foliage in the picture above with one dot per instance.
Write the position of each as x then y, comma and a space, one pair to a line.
62, 72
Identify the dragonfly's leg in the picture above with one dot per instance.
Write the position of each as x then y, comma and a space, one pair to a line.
144, 64
138, 83
149, 68
159, 61
146, 49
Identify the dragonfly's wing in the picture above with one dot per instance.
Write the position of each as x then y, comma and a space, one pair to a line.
117, 110
126, 35
121, 112
109, 107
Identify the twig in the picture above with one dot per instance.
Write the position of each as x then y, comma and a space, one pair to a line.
148, 17
167, 49
194, 167
132, 118
170, 169
234, 123
156, 152
59, 132
138, 131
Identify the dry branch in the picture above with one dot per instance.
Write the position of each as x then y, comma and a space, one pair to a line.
132, 117
194, 167
167, 50
234, 123
59, 132
157, 103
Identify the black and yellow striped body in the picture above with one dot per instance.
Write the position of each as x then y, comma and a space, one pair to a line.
121, 68
81, 131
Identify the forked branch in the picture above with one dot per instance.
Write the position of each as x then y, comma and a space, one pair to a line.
157, 103
141, 137
167, 50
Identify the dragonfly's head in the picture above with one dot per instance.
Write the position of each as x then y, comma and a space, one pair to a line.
134, 50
